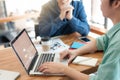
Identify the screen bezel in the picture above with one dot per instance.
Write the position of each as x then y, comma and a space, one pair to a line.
35, 56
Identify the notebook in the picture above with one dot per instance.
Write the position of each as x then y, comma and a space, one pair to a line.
76, 45
88, 61
8, 75
29, 56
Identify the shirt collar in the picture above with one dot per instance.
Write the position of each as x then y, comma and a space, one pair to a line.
114, 29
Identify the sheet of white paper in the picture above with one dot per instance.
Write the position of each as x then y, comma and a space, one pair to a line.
8, 75
57, 46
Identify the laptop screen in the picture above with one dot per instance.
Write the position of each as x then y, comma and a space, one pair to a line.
24, 48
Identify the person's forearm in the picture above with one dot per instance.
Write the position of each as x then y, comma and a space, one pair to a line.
74, 74
88, 48
51, 27
80, 26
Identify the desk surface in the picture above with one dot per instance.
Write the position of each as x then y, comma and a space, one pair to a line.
9, 61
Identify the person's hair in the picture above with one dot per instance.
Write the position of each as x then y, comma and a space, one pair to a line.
111, 2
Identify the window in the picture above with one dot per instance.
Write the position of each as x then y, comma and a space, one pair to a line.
2, 14
92, 8
94, 14
21, 6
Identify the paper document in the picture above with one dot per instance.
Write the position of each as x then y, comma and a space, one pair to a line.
8, 75
89, 61
57, 45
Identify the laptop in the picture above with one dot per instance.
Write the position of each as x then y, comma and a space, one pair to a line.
8, 75
28, 55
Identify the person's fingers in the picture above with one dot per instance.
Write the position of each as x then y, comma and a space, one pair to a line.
65, 57
64, 54
71, 59
46, 70
43, 67
69, 8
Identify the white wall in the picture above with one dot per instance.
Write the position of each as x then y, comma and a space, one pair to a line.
20, 6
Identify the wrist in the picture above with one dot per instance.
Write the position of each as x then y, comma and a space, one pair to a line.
61, 18
69, 18
66, 70
76, 53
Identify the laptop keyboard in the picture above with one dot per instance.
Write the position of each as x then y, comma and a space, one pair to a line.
46, 57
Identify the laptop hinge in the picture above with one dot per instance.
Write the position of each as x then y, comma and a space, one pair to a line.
32, 63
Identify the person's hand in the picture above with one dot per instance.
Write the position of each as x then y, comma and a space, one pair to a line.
69, 12
68, 54
63, 11
66, 12
52, 67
